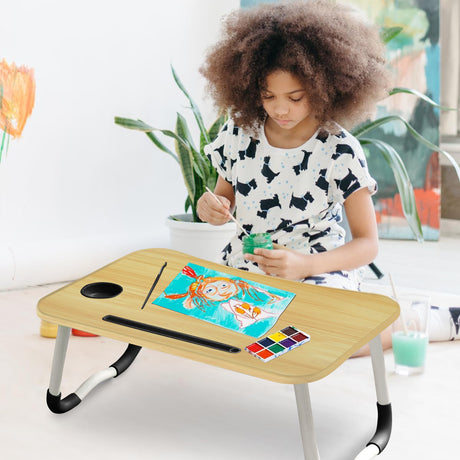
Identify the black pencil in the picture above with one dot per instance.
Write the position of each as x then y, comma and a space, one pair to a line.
154, 284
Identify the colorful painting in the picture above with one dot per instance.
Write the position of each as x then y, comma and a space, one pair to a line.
17, 98
414, 58
228, 301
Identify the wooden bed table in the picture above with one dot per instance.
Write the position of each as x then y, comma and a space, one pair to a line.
116, 302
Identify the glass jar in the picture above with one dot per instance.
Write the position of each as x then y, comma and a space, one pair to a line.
256, 240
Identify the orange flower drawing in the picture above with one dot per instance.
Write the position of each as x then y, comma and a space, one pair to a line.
17, 98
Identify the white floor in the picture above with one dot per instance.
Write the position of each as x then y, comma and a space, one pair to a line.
169, 408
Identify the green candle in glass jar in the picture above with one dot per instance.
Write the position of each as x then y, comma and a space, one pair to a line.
256, 240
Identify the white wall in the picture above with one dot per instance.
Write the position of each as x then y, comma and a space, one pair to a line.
76, 190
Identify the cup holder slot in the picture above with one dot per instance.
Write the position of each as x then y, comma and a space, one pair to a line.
101, 290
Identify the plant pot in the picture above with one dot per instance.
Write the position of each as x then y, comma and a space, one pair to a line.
199, 239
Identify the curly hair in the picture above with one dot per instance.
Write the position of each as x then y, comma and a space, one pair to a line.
338, 57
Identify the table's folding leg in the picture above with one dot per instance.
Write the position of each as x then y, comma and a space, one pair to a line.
384, 420
53, 397
305, 413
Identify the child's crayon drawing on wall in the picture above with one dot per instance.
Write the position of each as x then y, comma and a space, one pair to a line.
228, 301
17, 98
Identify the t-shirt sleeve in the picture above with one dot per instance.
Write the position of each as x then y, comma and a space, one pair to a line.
219, 152
349, 171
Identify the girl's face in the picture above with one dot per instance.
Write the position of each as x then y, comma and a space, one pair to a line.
285, 101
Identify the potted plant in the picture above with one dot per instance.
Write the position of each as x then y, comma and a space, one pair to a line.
188, 233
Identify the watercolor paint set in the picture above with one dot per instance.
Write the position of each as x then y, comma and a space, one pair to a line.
277, 344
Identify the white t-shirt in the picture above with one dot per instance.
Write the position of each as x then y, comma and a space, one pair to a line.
294, 194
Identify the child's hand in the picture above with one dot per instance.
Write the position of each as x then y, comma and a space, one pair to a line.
286, 264
210, 210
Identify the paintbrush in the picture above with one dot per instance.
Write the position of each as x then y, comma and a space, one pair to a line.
275, 245
231, 217
154, 284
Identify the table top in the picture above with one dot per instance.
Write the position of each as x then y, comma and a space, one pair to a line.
338, 321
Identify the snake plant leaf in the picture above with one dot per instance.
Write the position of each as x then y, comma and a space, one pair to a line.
424, 97
203, 143
129, 123
139, 125
193, 106
200, 166
187, 204
366, 127
209, 176
217, 126
200, 189
213, 131
185, 155
160, 145
184, 131
403, 183
388, 33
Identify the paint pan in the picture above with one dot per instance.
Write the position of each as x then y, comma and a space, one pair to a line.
278, 343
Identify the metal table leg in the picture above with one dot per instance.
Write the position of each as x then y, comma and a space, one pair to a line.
382, 434
384, 419
302, 396
53, 397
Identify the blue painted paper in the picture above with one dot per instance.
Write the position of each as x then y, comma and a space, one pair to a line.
227, 301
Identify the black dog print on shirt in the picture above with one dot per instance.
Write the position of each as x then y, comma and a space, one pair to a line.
267, 204
267, 171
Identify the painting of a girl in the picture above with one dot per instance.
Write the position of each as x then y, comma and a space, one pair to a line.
227, 301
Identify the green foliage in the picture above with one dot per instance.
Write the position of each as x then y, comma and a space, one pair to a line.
388, 33
197, 171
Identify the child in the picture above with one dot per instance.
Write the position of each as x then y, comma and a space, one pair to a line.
292, 78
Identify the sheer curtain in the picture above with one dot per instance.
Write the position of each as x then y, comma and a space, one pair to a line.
450, 66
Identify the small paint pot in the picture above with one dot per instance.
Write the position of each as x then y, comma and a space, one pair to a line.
256, 240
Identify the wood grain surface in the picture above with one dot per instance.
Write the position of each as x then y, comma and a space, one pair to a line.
338, 321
